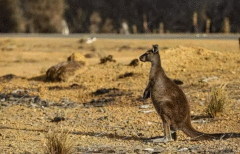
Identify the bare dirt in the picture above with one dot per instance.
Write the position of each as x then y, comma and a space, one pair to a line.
102, 107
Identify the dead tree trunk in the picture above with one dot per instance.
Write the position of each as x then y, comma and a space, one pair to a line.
226, 26
145, 25
208, 24
195, 22
134, 27
161, 28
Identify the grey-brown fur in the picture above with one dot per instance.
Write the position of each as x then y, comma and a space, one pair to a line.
170, 102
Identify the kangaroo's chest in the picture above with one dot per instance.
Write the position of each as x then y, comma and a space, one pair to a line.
158, 91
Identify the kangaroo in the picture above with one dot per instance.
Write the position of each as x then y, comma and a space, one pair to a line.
171, 103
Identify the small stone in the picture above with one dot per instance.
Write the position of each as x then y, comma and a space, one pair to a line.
149, 149
150, 123
182, 149
144, 106
149, 111
58, 119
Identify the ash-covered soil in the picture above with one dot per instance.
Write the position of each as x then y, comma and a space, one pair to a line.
102, 107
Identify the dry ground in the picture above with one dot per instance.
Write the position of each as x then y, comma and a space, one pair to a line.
110, 120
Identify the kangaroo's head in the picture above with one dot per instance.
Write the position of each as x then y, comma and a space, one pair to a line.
150, 55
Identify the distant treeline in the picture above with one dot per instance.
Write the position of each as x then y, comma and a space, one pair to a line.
119, 16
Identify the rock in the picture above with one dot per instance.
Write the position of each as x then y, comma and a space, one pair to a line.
149, 111
77, 57
64, 71
148, 149
149, 123
144, 106
58, 119
134, 63
109, 58
182, 149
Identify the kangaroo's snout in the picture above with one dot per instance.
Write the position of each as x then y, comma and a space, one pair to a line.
143, 58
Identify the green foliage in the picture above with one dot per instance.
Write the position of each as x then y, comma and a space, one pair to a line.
216, 101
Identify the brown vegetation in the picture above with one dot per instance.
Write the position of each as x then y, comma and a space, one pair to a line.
216, 102
58, 143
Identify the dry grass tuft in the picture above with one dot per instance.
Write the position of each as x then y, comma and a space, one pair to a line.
58, 143
216, 101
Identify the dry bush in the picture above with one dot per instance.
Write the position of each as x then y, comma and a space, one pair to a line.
58, 143
216, 101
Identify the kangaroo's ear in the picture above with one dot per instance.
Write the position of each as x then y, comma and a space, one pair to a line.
155, 48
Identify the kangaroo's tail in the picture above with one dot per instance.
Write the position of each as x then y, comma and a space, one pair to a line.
196, 135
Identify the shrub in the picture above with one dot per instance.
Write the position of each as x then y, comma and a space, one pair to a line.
216, 101
58, 143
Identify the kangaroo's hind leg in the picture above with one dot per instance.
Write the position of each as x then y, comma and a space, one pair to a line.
173, 133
